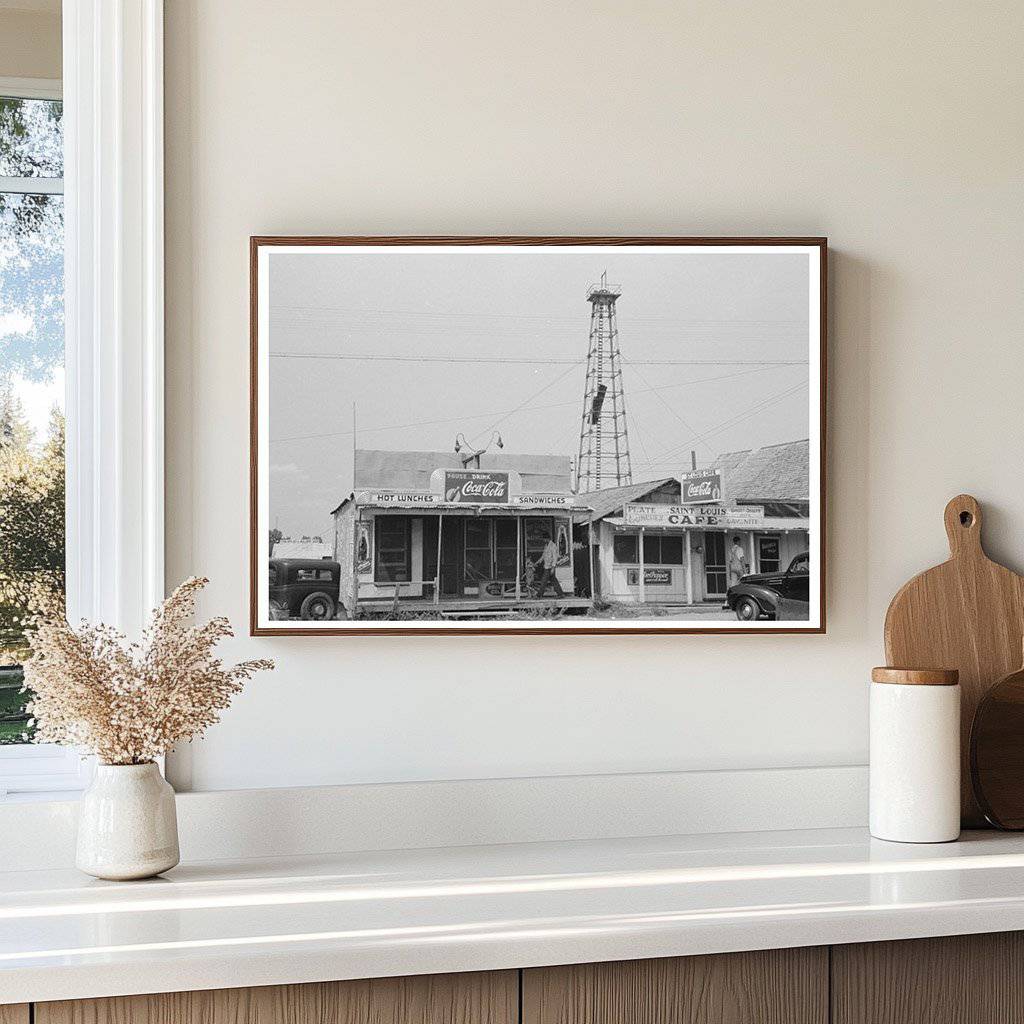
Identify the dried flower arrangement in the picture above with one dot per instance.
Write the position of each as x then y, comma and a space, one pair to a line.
129, 703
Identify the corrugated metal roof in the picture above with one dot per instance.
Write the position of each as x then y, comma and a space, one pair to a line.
541, 474
775, 473
611, 499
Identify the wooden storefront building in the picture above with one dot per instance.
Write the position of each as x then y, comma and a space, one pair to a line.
423, 529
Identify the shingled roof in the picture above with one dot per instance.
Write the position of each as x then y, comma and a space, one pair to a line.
773, 474
610, 500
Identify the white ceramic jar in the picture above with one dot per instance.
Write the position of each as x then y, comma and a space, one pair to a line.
127, 825
915, 755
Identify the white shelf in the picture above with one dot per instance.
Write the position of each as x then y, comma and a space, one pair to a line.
352, 915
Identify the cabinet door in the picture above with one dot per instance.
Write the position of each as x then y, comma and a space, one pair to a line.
779, 986
14, 1013
962, 979
479, 998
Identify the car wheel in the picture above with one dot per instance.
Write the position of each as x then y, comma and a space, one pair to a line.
317, 607
747, 610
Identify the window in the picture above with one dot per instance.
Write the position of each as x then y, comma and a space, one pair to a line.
626, 548
662, 549
310, 575
768, 558
801, 565
32, 552
505, 549
536, 533
478, 549
392, 549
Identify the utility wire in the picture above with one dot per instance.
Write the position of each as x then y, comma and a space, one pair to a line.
547, 387
674, 452
480, 416
373, 357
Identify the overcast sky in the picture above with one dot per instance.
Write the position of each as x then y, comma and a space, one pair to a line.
414, 311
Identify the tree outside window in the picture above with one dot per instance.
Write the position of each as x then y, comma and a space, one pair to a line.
31, 385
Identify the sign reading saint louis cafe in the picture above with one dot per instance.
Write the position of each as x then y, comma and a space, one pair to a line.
637, 514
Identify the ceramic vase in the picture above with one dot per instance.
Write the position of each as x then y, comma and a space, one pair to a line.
127, 826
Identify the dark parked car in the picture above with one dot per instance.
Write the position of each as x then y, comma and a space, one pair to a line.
304, 588
773, 595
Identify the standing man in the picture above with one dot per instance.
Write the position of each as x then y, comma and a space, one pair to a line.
738, 565
547, 562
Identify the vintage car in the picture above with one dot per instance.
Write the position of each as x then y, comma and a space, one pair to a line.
773, 595
304, 588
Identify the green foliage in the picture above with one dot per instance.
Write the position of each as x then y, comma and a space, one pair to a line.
31, 524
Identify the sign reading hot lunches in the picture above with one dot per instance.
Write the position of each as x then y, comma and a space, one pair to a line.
475, 487
637, 514
701, 485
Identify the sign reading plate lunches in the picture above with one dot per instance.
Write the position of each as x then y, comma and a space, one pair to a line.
701, 485
637, 514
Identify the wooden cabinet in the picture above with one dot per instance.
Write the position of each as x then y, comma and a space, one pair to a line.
491, 998
963, 979
969, 979
779, 986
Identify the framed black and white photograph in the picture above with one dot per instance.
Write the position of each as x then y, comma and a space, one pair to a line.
537, 435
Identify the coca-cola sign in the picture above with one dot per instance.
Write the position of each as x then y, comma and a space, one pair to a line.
475, 487
701, 485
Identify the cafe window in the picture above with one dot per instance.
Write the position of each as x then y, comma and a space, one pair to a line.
392, 563
626, 548
662, 549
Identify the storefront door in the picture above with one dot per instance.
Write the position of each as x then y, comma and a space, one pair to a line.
715, 577
451, 556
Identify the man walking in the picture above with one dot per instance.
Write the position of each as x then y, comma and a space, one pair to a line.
547, 562
738, 565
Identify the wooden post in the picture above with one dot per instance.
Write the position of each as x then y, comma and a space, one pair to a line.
357, 518
689, 567
590, 552
753, 564
643, 589
572, 559
437, 571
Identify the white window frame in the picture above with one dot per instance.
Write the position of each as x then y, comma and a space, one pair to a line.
114, 327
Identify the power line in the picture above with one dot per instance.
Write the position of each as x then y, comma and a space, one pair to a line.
373, 357
674, 452
661, 398
480, 416
309, 312
546, 387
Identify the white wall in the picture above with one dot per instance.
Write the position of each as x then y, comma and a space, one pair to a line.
895, 129
30, 39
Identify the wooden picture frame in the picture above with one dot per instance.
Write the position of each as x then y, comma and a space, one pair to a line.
448, 592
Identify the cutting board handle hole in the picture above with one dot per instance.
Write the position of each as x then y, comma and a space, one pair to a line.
966, 519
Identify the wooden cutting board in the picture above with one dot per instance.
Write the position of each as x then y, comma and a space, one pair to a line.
967, 614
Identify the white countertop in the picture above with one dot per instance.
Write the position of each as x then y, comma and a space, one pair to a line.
282, 920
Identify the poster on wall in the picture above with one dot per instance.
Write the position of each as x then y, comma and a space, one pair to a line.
537, 435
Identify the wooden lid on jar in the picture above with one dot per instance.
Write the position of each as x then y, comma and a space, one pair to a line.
916, 676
